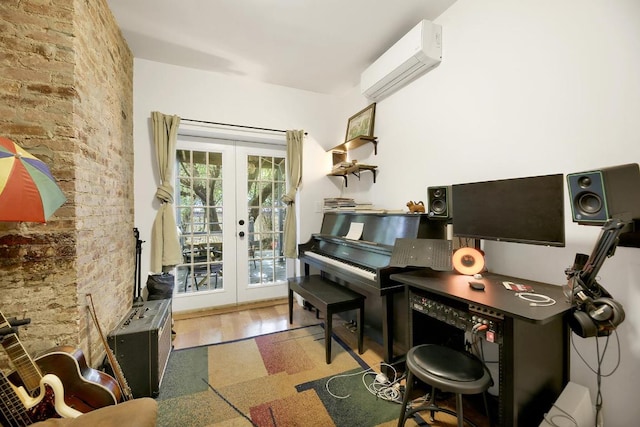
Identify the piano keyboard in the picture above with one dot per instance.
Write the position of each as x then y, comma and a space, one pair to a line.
356, 269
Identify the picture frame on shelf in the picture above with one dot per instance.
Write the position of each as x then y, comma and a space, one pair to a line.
362, 123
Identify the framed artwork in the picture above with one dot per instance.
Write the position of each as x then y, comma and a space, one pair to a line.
361, 123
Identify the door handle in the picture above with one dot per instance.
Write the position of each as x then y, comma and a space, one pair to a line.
241, 222
241, 234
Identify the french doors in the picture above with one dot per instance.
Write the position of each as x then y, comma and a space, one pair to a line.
230, 221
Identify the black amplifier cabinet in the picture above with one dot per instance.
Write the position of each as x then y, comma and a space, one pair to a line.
142, 344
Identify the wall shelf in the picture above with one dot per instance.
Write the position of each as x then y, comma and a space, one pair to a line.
357, 142
354, 170
339, 156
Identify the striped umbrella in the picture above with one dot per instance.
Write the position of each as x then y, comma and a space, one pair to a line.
28, 192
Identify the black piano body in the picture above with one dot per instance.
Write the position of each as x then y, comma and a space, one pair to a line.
363, 266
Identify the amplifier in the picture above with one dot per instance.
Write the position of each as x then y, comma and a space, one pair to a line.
142, 344
473, 319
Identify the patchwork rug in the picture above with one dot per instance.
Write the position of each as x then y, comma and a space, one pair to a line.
278, 379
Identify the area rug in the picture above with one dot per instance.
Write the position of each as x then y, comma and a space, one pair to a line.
279, 379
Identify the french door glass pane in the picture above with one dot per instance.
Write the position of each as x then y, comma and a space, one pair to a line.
199, 219
265, 186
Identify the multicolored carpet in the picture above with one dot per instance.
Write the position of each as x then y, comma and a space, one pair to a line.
271, 380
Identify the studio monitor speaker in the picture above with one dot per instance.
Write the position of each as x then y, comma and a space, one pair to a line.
439, 202
599, 195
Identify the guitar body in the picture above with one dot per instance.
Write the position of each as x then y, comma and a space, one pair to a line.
85, 389
56, 384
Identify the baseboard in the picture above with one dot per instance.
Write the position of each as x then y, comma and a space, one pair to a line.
232, 308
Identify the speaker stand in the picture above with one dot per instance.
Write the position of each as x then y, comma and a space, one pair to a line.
631, 239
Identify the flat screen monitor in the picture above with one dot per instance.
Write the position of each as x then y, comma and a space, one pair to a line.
523, 210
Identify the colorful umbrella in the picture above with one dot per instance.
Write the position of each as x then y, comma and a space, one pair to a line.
28, 192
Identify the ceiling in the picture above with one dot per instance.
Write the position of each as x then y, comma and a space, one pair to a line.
316, 45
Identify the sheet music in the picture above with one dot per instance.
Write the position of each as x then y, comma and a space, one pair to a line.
355, 231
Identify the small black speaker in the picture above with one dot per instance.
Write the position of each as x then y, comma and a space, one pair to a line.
439, 202
599, 195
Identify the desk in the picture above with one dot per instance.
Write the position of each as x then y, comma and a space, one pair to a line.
533, 342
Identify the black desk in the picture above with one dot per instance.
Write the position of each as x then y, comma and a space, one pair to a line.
533, 342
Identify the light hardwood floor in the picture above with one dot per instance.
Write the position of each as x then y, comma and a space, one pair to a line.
227, 324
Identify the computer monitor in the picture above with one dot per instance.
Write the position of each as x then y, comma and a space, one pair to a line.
523, 210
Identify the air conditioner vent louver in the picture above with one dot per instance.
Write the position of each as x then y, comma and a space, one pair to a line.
413, 55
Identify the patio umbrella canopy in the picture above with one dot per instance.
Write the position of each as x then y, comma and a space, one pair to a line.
28, 191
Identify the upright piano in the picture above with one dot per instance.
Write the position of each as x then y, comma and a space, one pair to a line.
363, 265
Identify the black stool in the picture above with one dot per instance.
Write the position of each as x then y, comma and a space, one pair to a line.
327, 297
448, 370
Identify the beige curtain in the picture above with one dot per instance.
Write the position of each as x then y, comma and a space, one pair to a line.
165, 246
294, 175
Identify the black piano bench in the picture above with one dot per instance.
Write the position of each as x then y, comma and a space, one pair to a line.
329, 298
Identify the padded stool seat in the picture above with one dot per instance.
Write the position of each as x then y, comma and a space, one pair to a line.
444, 369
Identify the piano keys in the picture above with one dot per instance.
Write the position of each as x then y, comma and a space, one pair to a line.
363, 265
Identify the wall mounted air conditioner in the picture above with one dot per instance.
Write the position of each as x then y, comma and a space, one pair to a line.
410, 57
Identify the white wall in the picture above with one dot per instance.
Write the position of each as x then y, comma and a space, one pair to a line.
528, 88
214, 97
525, 88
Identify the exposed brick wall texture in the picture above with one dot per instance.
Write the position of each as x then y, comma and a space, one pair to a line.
66, 95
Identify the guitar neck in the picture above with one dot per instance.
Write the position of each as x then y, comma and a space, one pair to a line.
25, 366
117, 370
11, 407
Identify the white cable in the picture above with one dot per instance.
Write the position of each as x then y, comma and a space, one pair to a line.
342, 376
564, 415
387, 391
536, 300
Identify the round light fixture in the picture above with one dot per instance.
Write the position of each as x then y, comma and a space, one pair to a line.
468, 261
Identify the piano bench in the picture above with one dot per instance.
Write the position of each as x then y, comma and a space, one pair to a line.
329, 298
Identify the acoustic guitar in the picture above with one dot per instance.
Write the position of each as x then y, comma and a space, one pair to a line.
12, 412
58, 383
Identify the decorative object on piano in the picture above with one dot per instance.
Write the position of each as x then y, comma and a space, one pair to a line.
416, 207
361, 123
468, 261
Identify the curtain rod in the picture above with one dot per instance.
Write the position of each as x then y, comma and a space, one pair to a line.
237, 126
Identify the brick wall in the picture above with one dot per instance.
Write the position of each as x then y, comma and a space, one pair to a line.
66, 95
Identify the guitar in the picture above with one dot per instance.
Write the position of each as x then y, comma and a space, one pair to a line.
12, 412
117, 370
58, 383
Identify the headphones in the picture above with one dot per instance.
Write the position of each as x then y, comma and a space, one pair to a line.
594, 317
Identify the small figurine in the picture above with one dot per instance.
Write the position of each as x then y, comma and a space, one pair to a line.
415, 207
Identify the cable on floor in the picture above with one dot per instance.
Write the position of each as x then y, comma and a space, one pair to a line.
376, 383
